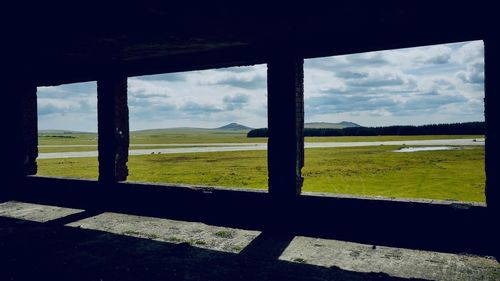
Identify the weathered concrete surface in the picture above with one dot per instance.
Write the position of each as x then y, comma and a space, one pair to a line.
285, 120
194, 233
112, 246
393, 261
113, 128
34, 212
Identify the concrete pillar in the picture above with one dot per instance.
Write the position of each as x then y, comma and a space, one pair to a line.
285, 86
20, 129
30, 128
492, 106
113, 128
24, 118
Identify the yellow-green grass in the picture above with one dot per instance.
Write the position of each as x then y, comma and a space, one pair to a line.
67, 139
448, 174
42, 149
191, 136
94, 148
372, 171
154, 137
84, 168
219, 137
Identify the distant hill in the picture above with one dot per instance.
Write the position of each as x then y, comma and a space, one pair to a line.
176, 130
233, 127
188, 130
326, 125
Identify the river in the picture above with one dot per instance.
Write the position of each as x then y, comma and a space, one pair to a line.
222, 147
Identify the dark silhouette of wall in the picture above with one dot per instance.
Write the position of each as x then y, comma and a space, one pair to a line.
50, 44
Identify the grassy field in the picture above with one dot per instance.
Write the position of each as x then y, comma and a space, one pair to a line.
196, 136
94, 148
67, 139
453, 174
449, 174
189, 135
154, 137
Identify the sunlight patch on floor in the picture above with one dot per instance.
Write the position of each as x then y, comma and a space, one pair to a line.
398, 262
196, 234
34, 212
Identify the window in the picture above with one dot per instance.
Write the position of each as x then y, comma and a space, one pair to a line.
67, 130
353, 99
191, 127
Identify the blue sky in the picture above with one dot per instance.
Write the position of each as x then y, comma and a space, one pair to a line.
432, 84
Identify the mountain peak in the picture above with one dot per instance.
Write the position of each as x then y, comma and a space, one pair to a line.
349, 124
233, 127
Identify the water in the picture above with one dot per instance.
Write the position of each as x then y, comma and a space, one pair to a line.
425, 148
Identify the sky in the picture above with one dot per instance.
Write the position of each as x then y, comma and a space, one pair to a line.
414, 86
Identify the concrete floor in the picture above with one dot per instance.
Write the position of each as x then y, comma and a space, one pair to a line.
54, 243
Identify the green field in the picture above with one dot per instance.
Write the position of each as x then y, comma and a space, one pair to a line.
376, 170
166, 136
196, 136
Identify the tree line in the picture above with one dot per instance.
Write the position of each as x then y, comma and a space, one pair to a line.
468, 128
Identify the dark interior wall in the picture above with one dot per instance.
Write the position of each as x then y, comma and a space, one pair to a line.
80, 41
492, 103
12, 137
19, 131
49, 45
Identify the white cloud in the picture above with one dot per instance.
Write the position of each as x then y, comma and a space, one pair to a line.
469, 52
430, 84
208, 98
70, 106
442, 83
148, 88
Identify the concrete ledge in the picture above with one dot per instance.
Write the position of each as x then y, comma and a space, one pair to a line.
437, 226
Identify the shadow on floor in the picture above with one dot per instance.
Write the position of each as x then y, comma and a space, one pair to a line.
448, 228
51, 251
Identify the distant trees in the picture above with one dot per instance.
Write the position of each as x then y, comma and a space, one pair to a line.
257, 133
468, 128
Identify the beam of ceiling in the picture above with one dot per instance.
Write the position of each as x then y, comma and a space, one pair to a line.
57, 44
